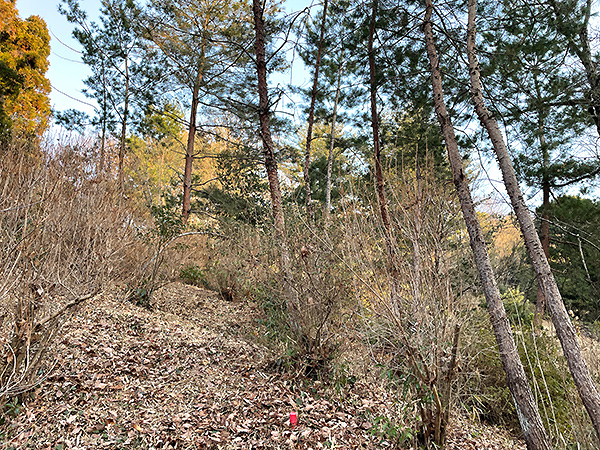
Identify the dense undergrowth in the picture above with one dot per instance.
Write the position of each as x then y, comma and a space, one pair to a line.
64, 235
418, 320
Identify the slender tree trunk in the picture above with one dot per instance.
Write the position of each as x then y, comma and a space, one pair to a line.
104, 123
331, 147
416, 240
545, 226
102, 146
446, 391
311, 117
379, 182
121, 174
531, 423
161, 172
192, 129
267, 140
189, 152
540, 305
562, 323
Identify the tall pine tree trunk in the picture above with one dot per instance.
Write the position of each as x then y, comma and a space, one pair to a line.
189, 152
192, 129
531, 423
104, 119
379, 181
102, 146
311, 117
268, 150
540, 305
331, 147
124, 118
562, 323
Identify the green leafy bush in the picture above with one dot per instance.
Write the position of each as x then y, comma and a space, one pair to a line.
193, 274
140, 294
167, 217
390, 432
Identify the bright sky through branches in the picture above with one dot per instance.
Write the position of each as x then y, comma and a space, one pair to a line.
67, 72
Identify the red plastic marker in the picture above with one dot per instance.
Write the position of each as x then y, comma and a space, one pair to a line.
293, 419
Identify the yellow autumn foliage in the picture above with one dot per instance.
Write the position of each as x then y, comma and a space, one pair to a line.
24, 88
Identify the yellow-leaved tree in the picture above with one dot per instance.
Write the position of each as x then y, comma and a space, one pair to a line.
24, 88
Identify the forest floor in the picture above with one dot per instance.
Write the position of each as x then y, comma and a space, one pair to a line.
192, 374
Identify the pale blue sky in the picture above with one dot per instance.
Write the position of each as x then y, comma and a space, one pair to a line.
66, 72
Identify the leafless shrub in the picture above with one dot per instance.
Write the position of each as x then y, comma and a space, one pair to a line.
322, 286
241, 263
414, 305
64, 233
228, 259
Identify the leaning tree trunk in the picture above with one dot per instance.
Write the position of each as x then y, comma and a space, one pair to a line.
562, 323
311, 117
531, 423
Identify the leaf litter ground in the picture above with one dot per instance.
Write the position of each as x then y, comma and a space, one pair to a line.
191, 375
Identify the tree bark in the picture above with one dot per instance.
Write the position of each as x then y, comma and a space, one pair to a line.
121, 174
540, 305
189, 154
267, 140
102, 147
331, 147
192, 129
379, 181
562, 323
533, 430
104, 120
311, 117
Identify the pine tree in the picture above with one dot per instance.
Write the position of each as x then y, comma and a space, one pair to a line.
200, 44
571, 19
575, 253
562, 323
535, 435
325, 33
538, 97
264, 116
311, 111
111, 49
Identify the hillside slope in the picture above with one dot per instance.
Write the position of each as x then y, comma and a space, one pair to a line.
190, 375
